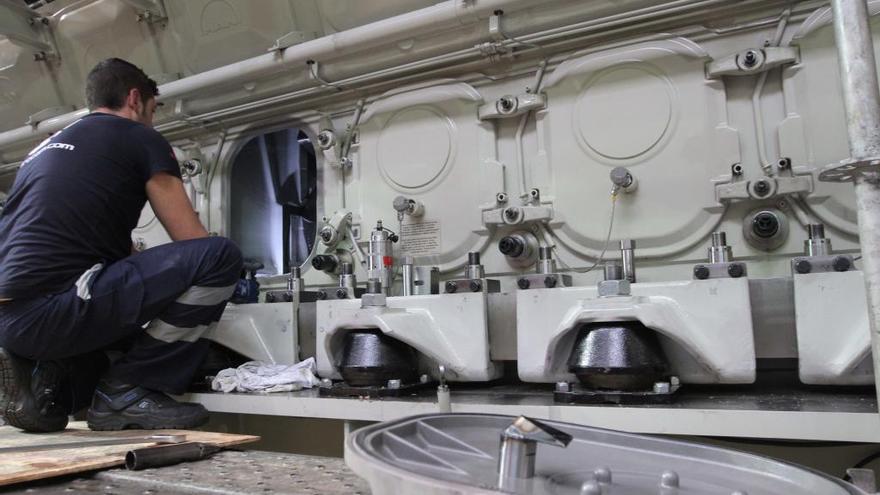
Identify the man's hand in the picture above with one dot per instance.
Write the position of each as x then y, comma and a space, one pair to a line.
173, 208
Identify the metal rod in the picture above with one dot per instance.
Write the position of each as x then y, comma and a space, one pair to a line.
407, 273
855, 53
627, 257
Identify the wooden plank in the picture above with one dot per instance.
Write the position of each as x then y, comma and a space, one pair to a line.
30, 466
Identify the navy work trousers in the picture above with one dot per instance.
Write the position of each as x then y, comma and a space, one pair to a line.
162, 300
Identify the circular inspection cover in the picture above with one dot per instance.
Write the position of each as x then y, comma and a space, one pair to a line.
458, 453
624, 112
414, 147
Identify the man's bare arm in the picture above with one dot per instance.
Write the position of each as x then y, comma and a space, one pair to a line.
173, 208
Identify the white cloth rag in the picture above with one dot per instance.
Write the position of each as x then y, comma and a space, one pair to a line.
257, 376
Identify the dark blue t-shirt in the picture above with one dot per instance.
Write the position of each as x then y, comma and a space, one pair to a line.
75, 201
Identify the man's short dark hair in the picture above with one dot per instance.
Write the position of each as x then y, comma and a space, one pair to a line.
110, 81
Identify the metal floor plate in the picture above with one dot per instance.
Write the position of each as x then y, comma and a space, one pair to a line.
228, 472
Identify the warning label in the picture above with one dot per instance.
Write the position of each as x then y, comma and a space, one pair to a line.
420, 239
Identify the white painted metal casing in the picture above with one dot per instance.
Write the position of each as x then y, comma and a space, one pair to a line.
703, 326
447, 329
833, 338
262, 331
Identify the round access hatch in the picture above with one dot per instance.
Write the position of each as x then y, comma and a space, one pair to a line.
624, 112
415, 147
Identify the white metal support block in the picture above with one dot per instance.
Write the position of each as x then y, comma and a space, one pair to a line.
833, 338
447, 329
699, 322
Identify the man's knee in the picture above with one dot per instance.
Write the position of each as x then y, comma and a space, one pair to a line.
229, 258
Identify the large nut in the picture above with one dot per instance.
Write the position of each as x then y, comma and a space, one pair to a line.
372, 300
610, 288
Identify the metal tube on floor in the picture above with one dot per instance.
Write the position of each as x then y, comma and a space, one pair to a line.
858, 73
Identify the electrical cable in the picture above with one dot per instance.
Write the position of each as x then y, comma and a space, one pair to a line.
604, 248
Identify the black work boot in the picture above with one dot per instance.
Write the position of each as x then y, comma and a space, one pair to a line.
30, 393
119, 406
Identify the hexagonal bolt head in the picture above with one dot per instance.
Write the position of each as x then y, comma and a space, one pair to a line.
511, 214
803, 266
523, 283
841, 264
393, 384
341, 293
550, 282
735, 270
326, 382
701, 272
372, 300
476, 286
563, 387
610, 288
321, 295
451, 287
762, 187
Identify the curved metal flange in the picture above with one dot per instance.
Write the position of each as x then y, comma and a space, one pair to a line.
847, 170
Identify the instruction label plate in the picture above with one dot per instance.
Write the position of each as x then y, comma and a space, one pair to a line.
421, 238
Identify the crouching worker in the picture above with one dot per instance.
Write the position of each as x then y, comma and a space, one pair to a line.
71, 287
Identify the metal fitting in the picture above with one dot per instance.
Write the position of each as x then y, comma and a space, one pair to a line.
546, 265
622, 179
516, 460
613, 288
326, 139
719, 251
407, 206
328, 235
325, 262
506, 104
841, 264
408, 276
735, 270
701, 272
803, 266
817, 244
627, 257
474, 268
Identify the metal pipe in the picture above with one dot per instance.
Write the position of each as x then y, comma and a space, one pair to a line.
719, 252
516, 461
416, 23
407, 274
168, 455
248, 69
627, 257
861, 97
